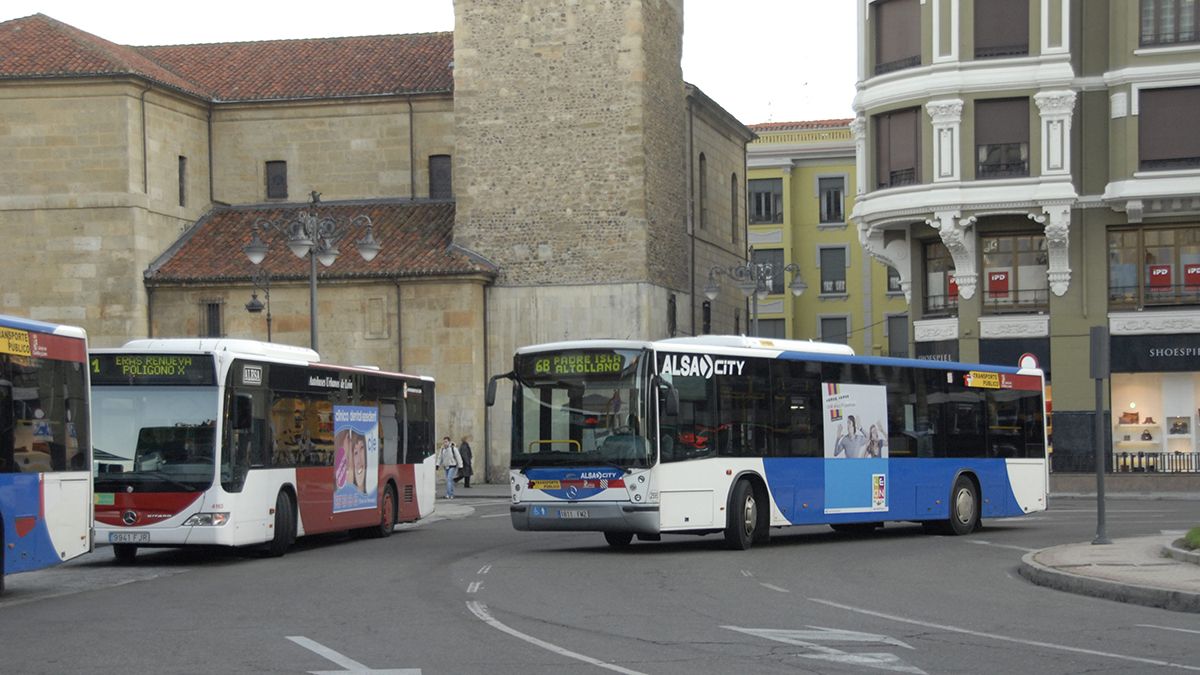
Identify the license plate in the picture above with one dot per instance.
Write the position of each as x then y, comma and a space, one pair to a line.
129, 537
572, 513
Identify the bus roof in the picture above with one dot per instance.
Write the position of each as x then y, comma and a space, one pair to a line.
21, 323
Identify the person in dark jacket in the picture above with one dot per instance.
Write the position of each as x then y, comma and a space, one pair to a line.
465, 470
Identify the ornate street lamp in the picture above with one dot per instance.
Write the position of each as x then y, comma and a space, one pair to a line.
262, 282
316, 236
752, 279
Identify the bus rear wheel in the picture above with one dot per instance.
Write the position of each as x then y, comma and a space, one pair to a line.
125, 553
387, 516
618, 539
741, 526
285, 526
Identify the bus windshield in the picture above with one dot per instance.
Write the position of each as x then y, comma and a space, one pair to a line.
580, 408
159, 438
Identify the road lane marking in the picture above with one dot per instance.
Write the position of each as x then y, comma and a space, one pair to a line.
747, 573
495, 515
979, 542
349, 664
485, 569
1181, 630
480, 610
1005, 638
811, 639
474, 586
774, 587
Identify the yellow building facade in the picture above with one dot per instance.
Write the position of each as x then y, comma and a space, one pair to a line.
801, 187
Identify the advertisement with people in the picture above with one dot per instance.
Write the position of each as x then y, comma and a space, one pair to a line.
356, 457
855, 428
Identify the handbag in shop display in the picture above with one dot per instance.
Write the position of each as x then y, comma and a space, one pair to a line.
1129, 417
1147, 436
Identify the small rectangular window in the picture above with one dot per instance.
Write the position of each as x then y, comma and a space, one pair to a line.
182, 180
1001, 28
768, 265
211, 319
835, 329
766, 200
1167, 137
897, 338
277, 183
897, 35
897, 148
893, 281
832, 191
1168, 22
833, 270
1002, 138
440, 185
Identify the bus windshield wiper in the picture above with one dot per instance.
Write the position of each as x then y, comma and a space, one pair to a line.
158, 475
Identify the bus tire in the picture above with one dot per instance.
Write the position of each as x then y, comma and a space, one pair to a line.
387, 516
618, 539
964, 507
125, 554
285, 526
741, 525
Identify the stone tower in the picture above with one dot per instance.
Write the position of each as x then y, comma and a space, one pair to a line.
570, 166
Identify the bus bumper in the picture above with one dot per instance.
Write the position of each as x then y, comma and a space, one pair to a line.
586, 517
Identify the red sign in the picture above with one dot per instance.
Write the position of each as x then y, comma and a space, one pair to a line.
998, 284
952, 287
1191, 275
1160, 276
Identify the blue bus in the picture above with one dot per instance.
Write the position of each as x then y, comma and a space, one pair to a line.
45, 445
738, 435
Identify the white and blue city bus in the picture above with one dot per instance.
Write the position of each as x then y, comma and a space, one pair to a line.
45, 445
738, 435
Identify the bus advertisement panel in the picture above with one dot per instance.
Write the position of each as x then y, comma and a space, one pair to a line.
738, 435
45, 445
241, 443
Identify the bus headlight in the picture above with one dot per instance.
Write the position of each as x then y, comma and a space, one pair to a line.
207, 520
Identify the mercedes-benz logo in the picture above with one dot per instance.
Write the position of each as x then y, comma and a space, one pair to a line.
129, 517
572, 491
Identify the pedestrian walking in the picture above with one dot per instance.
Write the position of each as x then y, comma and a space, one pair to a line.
449, 460
466, 470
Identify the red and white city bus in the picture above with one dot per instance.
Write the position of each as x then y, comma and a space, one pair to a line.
240, 443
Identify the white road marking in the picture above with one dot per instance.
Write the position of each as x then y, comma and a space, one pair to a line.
774, 587
496, 515
349, 664
474, 586
1181, 630
747, 573
480, 610
1005, 638
980, 542
810, 639
485, 569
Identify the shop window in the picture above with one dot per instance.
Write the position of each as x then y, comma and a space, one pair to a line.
897, 145
1002, 138
897, 35
1014, 273
833, 270
1154, 267
766, 200
1167, 137
1001, 28
941, 291
1168, 22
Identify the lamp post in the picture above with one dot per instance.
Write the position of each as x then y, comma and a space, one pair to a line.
262, 282
310, 234
752, 279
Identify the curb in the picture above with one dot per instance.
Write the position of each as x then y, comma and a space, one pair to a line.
1041, 575
1181, 554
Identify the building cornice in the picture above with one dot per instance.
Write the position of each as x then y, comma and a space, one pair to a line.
955, 78
1148, 323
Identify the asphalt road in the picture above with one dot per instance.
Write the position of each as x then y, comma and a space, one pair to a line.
470, 595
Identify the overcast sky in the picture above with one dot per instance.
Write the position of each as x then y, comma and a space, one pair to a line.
762, 60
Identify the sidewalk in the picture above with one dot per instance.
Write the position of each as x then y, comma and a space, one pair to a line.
1140, 570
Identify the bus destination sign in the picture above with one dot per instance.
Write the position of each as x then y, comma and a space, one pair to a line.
163, 369
573, 363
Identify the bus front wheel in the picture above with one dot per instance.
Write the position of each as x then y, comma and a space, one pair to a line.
285, 526
618, 539
741, 526
125, 553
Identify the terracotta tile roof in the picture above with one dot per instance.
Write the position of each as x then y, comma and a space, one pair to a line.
800, 126
416, 241
38, 46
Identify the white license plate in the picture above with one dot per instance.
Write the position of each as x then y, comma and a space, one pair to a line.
572, 513
129, 537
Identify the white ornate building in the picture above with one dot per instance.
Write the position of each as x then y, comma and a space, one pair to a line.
1031, 169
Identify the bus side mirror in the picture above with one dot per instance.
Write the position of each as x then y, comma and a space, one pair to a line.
490, 396
668, 399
